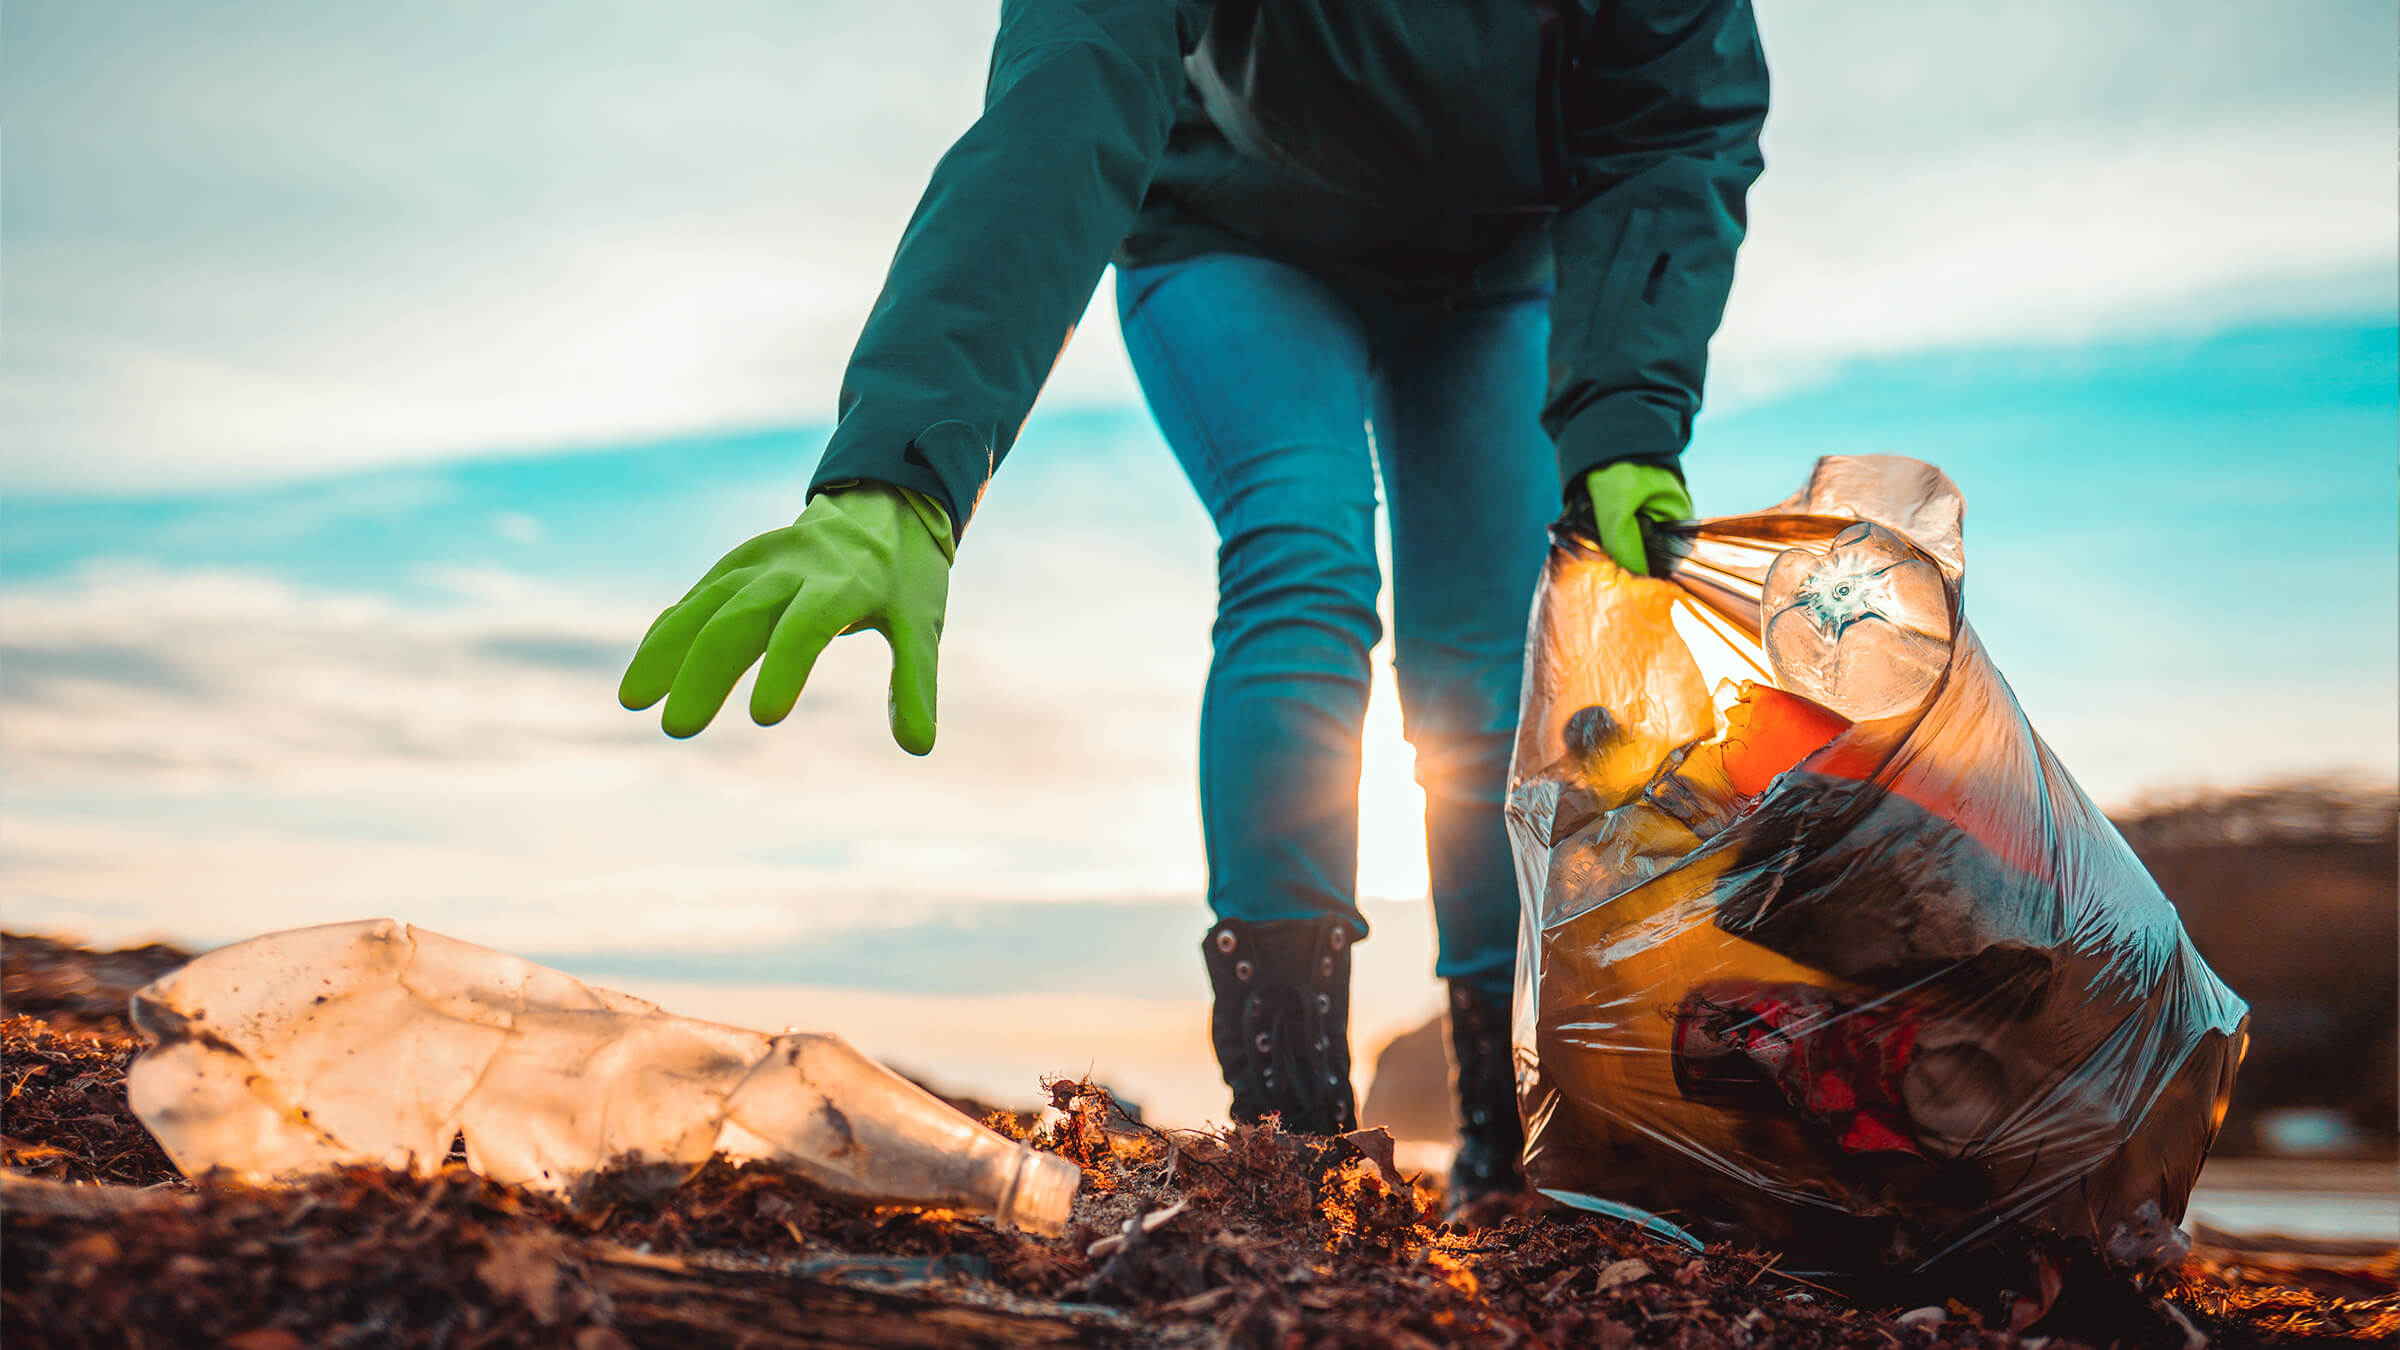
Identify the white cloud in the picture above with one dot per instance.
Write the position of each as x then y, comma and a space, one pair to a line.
304, 238
518, 527
226, 744
312, 237
2165, 231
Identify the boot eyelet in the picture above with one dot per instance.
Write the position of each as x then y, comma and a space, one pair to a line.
1324, 1003
1322, 1045
1263, 1042
1325, 967
1225, 940
1336, 938
1242, 970
1333, 1080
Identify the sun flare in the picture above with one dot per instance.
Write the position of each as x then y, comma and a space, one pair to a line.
1391, 807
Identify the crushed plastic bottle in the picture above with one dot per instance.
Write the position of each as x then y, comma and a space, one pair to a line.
374, 1042
1860, 624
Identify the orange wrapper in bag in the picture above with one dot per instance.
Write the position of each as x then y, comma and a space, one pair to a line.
1770, 731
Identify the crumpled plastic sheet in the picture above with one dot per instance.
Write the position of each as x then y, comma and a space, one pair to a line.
1861, 974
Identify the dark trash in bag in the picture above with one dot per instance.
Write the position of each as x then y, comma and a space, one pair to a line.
1834, 957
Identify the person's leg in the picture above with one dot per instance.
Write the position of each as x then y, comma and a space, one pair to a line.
1472, 484
1473, 487
1257, 375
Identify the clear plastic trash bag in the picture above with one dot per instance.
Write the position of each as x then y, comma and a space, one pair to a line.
1822, 949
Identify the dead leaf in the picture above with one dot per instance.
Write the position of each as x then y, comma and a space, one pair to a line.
1375, 1144
1616, 1273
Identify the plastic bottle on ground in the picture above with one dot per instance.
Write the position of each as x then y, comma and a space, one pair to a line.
375, 1042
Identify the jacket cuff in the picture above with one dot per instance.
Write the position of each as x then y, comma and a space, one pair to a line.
1616, 430
947, 462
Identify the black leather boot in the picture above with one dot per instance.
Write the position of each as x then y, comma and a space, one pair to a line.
1282, 1020
1491, 1138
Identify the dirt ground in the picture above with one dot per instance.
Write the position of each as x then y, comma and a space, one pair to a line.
1247, 1238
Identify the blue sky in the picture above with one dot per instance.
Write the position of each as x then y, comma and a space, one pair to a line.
373, 375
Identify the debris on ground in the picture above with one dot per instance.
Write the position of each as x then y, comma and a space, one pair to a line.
1241, 1238
75, 989
66, 1114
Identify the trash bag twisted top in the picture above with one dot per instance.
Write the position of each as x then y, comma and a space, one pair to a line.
1835, 956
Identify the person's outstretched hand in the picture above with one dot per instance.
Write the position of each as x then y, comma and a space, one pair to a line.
1625, 495
865, 556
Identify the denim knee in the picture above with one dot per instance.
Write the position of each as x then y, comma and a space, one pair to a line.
1458, 709
1296, 597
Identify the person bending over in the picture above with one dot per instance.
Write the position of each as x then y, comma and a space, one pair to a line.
1474, 251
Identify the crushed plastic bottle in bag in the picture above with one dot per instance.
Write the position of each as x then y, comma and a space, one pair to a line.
1840, 962
1860, 625
378, 1043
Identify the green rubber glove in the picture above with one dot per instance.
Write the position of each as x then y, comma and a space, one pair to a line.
864, 556
1625, 495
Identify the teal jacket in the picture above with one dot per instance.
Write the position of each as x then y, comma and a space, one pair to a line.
1451, 148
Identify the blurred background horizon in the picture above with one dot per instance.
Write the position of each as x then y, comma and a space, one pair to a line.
373, 374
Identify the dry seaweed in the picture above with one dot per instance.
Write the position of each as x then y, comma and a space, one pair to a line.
75, 989
66, 1117
1248, 1237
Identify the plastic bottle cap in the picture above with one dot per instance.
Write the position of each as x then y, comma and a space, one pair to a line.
1044, 1197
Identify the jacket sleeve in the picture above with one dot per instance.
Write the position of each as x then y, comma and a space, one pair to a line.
1660, 126
1008, 242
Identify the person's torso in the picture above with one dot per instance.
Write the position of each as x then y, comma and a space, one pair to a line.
1423, 107
1382, 137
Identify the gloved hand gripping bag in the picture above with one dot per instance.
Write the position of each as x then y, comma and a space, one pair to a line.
1915, 999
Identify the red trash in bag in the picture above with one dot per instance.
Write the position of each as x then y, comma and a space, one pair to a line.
1837, 960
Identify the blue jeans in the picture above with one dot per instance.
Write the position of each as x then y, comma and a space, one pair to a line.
1265, 379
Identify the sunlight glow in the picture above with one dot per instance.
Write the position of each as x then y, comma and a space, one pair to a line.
1722, 654
1391, 807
